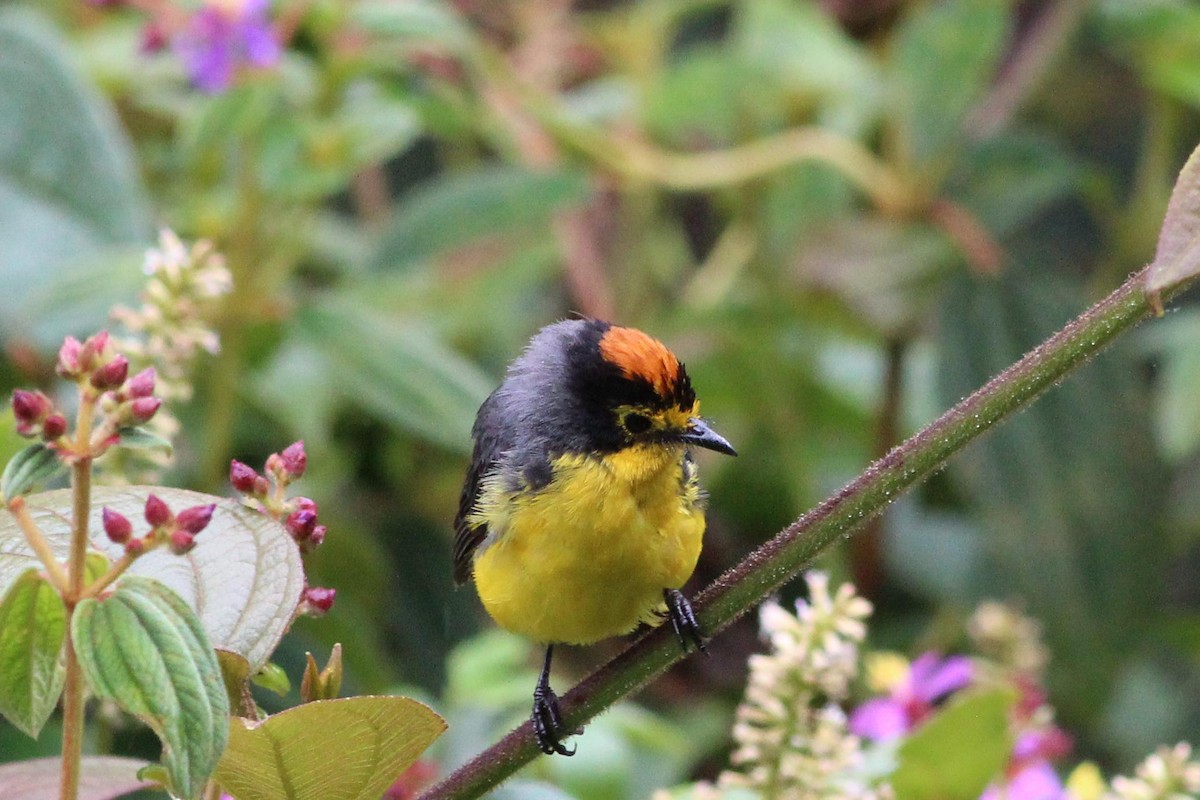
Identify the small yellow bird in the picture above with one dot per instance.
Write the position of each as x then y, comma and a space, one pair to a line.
581, 515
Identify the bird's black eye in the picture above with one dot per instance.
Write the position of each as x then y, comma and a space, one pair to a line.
636, 423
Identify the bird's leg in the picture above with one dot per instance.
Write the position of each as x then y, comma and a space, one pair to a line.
546, 716
683, 620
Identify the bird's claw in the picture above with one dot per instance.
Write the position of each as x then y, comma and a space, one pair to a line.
547, 721
683, 620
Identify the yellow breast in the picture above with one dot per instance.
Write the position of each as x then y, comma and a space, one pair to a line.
588, 556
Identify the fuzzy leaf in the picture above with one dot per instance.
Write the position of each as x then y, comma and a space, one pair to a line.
1178, 255
944, 55
959, 751
144, 648
28, 469
68, 182
243, 578
101, 778
139, 438
33, 625
351, 749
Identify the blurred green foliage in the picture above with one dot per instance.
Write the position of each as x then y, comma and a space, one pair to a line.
843, 216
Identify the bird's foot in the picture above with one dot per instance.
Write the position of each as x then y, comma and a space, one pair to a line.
548, 726
683, 620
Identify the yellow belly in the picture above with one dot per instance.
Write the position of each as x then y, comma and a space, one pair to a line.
588, 556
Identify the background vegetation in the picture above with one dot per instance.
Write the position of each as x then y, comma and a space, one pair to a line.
842, 215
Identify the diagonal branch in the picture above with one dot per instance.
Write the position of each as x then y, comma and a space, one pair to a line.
783, 557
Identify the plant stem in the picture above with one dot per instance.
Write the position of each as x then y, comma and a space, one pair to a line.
114, 572
783, 557
38, 544
81, 491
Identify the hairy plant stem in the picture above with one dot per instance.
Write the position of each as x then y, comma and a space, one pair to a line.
783, 557
81, 491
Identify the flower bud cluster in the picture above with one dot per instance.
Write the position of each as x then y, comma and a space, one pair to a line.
102, 377
36, 416
298, 514
176, 531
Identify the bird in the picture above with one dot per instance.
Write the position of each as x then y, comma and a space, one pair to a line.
581, 515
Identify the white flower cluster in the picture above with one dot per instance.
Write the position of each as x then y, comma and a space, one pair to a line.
170, 327
1169, 774
168, 331
790, 731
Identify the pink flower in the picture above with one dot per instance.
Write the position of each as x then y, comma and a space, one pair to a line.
223, 36
930, 679
1029, 775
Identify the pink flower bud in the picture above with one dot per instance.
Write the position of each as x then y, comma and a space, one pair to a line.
304, 504
319, 599
118, 528
91, 351
261, 486
300, 524
182, 541
112, 374
30, 407
196, 518
142, 384
274, 464
136, 546
68, 358
54, 427
315, 539
157, 512
243, 477
143, 408
154, 38
294, 459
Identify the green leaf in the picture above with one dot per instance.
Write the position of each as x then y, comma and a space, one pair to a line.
413, 22
145, 649
504, 201
401, 373
273, 678
1066, 492
243, 578
1177, 258
68, 182
944, 55
33, 626
351, 749
888, 271
1011, 180
140, 438
28, 469
804, 50
235, 672
958, 751
100, 778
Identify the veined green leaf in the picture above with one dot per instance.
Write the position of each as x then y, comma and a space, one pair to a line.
243, 578
29, 468
351, 749
33, 625
68, 184
144, 648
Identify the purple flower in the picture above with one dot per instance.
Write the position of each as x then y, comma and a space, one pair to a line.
1037, 780
225, 35
930, 679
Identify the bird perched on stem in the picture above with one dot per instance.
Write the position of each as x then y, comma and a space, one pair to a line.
581, 515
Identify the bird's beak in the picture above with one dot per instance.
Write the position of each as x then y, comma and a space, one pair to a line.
699, 434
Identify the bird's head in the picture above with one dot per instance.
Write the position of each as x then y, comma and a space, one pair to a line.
591, 386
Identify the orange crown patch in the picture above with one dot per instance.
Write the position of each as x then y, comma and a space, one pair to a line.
641, 356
